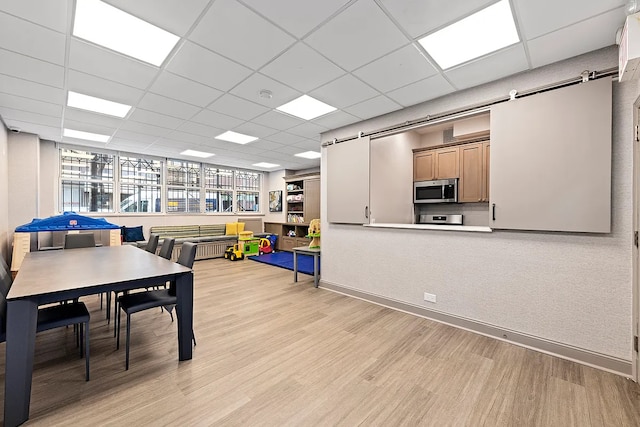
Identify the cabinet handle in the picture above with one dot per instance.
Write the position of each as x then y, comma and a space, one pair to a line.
493, 208
366, 212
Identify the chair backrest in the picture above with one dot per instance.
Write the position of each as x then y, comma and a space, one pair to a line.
152, 244
187, 254
167, 247
82, 240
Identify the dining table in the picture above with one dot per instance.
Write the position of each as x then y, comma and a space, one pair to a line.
53, 276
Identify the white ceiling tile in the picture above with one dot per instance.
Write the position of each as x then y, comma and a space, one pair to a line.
253, 43
218, 146
503, 63
217, 120
308, 130
84, 143
177, 17
29, 89
297, 17
126, 145
400, 68
155, 119
302, 68
168, 106
31, 105
198, 129
51, 14
32, 40
336, 119
29, 117
135, 136
267, 145
288, 150
180, 135
185, 90
251, 87
255, 129
351, 41
421, 91
373, 107
21, 66
536, 20
165, 142
309, 145
419, 17
344, 91
276, 120
104, 63
237, 107
52, 133
285, 138
93, 118
88, 127
144, 128
202, 65
574, 40
102, 88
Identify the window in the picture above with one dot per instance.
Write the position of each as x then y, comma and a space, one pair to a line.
100, 182
248, 191
87, 181
140, 185
183, 186
218, 189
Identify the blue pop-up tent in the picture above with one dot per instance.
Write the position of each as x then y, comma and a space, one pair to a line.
66, 221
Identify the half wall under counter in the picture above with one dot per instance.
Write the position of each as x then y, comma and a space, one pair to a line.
471, 228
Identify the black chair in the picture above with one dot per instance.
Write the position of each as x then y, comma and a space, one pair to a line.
152, 244
136, 302
165, 252
77, 241
55, 316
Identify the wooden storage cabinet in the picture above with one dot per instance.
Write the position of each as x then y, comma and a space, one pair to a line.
440, 163
284, 241
302, 198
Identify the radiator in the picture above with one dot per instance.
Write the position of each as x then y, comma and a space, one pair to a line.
206, 250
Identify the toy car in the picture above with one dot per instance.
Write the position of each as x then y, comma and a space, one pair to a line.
265, 246
233, 253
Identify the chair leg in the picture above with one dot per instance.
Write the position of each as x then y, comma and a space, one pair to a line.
117, 322
81, 337
193, 336
108, 312
101, 295
128, 339
86, 351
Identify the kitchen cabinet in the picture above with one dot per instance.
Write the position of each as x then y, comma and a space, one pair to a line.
439, 163
474, 172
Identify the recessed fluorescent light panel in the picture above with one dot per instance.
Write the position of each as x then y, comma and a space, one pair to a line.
306, 108
265, 165
309, 155
98, 105
78, 134
476, 35
112, 28
236, 137
194, 153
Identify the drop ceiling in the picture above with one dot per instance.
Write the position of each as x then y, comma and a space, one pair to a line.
360, 56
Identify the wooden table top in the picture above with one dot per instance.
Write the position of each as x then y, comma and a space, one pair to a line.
48, 272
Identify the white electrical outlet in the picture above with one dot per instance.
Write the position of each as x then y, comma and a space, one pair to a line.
429, 297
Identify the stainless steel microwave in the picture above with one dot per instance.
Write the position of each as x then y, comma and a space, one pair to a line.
439, 191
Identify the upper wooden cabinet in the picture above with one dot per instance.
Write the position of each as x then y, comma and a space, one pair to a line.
474, 172
424, 166
440, 163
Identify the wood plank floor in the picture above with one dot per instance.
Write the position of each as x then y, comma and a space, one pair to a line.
272, 353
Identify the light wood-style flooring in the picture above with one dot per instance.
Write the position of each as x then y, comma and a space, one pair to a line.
274, 353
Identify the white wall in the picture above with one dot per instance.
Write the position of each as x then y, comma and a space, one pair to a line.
4, 193
571, 289
274, 181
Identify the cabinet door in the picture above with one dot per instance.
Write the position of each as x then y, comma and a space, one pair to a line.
311, 199
471, 184
447, 163
424, 166
485, 171
287, 243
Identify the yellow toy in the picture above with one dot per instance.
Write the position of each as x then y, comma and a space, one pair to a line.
314, 232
